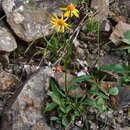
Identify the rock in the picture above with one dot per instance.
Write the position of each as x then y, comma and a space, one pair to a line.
7, 81
125, 128
102, 8
60, 78
26, 111
29, 69
124, 97
30, 20
116, 18
4, 59
105, 26
76, 128
7, 43
118, 32
108, 59
121, 8
124, 7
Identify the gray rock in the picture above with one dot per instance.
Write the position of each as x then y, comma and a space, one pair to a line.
124, 97
124, 6
76, 128
121, 7
30, 19
102, 7
4, 59
108, 59
27, 110
7, 82
7, 41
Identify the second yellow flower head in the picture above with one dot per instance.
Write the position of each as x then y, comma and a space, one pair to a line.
70, 11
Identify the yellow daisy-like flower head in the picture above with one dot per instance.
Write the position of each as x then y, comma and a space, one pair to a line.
70, 11
59, 23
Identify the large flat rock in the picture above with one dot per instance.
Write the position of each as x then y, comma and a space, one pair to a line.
30, 19
27, 110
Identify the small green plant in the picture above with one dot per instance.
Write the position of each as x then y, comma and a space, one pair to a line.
68, 109
92, 25
122, 69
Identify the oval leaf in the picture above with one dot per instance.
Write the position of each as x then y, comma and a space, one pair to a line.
50, 107
100, 101
113, 91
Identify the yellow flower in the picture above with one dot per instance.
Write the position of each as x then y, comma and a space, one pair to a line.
59, 23
70, 11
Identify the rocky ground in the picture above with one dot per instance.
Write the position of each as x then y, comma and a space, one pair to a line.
30, 57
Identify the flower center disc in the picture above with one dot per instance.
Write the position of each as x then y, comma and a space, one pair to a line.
70, 7
60, 22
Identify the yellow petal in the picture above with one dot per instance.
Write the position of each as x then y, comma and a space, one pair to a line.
75, 13
67, 14
59, 27
76, 10
63, 8
63, 28
66, 19
62, 17
53, 26
55, 16
67, 25
52, 22
53, 19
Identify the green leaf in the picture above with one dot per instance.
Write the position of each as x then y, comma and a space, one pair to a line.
55, 89
62, 108
76, 113
81, 108
65, 121
93, 87
127, 41
73, 117
68, 108
124, 79
55, 98
100, 101
98, 93
129, 50
113, 91
81, 78
126, 38
54, 118
72, 87
73, 83
101, 108
50, 107
116, 68
89, 102
127, 79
